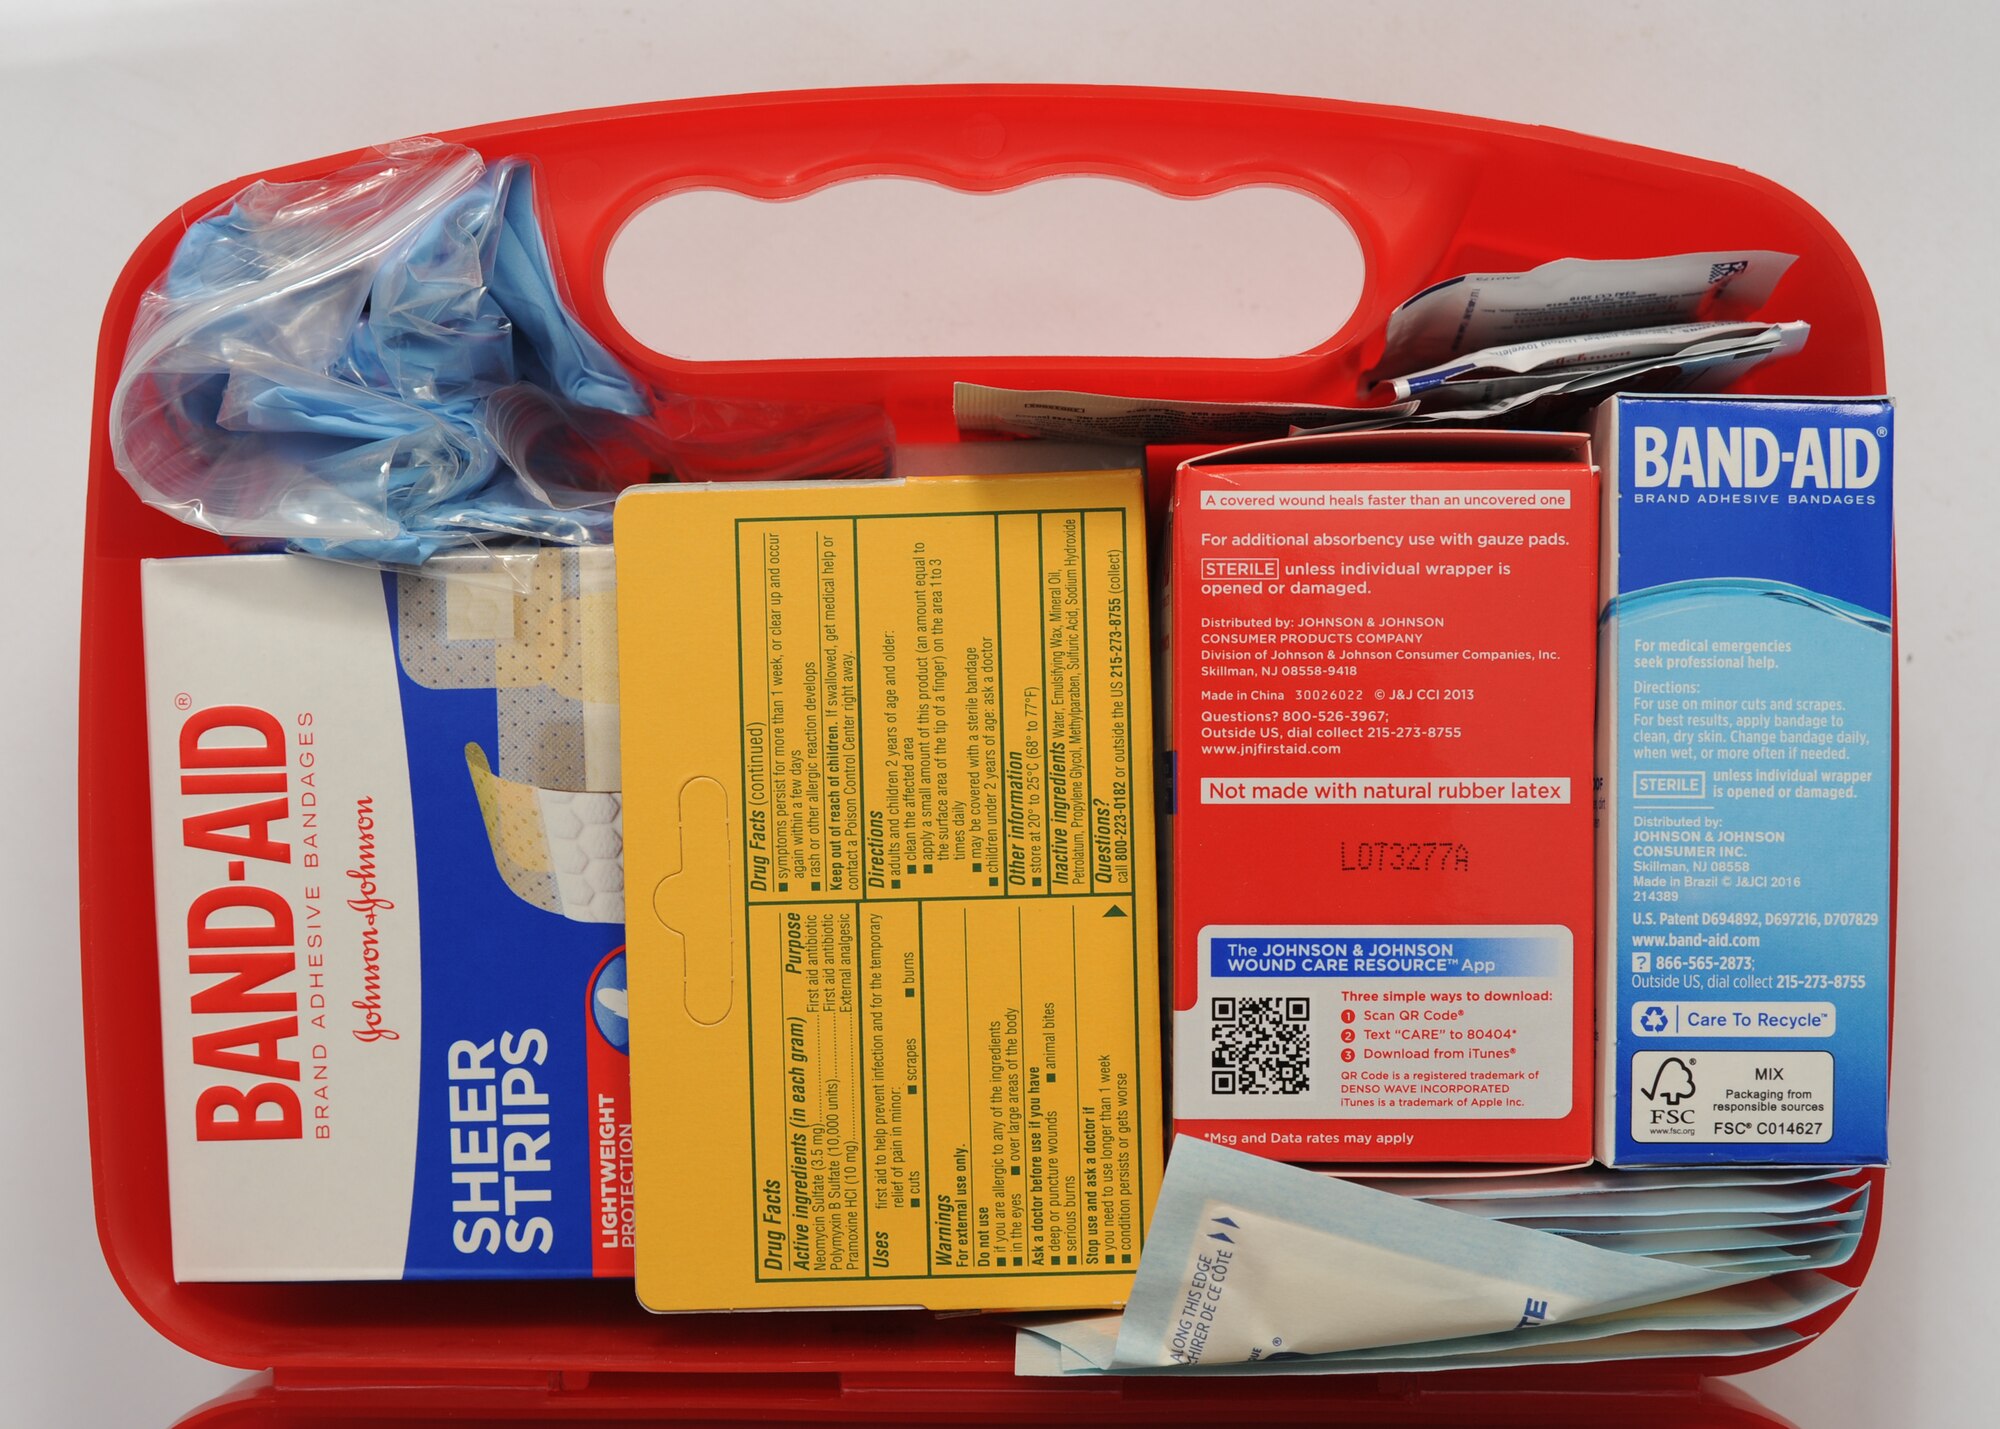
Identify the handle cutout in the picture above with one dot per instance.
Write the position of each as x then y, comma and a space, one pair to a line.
1072, 266
695, 903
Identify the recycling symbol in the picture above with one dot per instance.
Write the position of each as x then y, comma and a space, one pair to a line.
1653, 1019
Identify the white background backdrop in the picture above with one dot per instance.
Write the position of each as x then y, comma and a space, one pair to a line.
113, 111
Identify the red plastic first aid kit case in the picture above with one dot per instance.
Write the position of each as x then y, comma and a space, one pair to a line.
1427, 196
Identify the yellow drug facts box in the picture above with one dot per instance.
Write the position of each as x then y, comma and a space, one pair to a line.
889, 849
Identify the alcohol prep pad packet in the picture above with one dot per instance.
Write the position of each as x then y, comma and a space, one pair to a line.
1223, 1214
1249, 1258
1575, 295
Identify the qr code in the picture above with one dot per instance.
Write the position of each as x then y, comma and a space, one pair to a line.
1260, 1046
1719, 272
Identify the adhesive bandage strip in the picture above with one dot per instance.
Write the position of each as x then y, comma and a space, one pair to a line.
539, 629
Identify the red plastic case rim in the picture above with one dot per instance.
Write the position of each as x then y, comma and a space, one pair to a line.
1428, 196
1494, 1400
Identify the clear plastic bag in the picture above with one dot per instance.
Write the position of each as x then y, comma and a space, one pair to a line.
379, 365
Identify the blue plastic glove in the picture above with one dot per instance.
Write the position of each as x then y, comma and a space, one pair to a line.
377, 366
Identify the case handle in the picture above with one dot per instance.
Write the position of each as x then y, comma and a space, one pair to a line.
1425, 194
1401, 189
